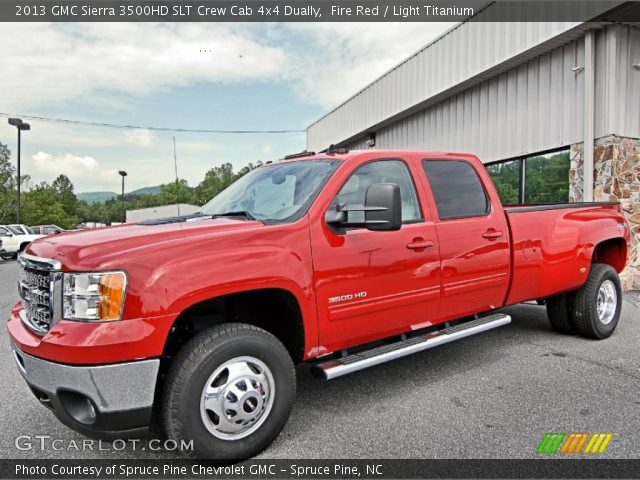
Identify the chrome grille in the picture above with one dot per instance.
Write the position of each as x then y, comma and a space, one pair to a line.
38, 284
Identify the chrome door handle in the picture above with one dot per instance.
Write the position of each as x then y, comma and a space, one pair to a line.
492, 234
420, 244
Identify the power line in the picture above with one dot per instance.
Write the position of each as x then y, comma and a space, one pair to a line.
136, 127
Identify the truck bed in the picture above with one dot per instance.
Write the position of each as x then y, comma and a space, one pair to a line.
553, 206
553, 246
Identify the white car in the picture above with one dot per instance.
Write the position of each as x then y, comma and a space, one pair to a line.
14, 240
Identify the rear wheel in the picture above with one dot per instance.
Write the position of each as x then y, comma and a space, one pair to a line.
230, 390
598, 302
559, 312
5, 256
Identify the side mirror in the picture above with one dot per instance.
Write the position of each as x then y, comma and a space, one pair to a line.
383, 207
382, 210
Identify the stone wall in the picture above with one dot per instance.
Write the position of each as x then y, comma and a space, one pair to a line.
616, 178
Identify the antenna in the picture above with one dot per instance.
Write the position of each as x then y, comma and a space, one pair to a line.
175, 165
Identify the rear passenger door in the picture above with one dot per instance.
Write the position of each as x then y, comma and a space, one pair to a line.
473, 238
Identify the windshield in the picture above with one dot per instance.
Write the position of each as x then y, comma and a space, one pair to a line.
277, 192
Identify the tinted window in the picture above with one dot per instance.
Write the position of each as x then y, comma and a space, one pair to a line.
456, 188
4, 232
381, 171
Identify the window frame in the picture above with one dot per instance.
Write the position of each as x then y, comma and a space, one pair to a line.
522, 177
411, 177
489, 205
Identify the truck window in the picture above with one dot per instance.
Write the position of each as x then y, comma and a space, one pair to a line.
281, 192
456, 188
380, 171
4, 232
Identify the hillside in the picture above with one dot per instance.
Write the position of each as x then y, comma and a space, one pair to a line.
96, 197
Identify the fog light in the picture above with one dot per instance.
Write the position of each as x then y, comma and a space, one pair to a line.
78, 406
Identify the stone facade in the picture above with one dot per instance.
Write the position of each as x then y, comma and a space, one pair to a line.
616, 178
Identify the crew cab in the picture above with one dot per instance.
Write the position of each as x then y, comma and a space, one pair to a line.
15, 238
340, 259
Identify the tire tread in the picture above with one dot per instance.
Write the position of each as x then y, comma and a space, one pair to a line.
186, 362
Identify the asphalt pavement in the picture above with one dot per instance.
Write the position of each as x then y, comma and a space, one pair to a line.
493, 395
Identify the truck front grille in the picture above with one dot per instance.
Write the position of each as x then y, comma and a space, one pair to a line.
39, 287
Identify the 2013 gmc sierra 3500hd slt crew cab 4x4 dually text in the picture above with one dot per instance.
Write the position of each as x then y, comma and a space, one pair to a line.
341, 259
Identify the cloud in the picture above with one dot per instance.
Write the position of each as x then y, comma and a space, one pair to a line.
324, 63
81, 170
47, 64
347, 56
140, 136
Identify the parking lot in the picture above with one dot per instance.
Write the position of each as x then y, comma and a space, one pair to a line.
490, 396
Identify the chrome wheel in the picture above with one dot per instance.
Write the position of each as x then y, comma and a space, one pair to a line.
607, 302
237, 398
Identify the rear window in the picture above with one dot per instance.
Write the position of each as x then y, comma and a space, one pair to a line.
456, 188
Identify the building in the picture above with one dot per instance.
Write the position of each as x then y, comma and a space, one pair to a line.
526, 98
160, 212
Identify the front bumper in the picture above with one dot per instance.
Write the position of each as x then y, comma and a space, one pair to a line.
101, 401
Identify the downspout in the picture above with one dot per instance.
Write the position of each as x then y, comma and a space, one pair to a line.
589, 116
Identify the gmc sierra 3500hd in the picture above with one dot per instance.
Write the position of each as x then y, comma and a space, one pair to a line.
341, 259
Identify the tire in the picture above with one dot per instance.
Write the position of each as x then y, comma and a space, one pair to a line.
5, 256
209, 363
560, 314
598, 302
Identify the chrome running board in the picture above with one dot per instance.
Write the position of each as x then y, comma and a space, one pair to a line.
337, 367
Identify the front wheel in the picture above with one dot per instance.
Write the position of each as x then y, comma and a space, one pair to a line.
230, 389
5, 256
598, 302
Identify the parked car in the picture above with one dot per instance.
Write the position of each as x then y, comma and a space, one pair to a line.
343, 260
22, 228
47, 229
14, 240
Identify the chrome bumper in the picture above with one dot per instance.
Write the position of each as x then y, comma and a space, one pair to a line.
94, 400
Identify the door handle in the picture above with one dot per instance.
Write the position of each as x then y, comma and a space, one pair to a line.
492, 234
419, 244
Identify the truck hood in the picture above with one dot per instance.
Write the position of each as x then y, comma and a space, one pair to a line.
95, 248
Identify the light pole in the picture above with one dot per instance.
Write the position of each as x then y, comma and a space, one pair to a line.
124, 211
20, 125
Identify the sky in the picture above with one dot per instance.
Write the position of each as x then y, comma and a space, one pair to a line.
231, 76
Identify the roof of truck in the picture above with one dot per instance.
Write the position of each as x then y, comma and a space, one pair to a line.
343, 154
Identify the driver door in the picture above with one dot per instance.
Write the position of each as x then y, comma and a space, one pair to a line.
373, 284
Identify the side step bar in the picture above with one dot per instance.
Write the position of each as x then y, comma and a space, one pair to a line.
351, 363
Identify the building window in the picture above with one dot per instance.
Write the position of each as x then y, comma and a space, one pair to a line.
534, 179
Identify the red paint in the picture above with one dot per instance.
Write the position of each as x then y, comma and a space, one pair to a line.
426, 273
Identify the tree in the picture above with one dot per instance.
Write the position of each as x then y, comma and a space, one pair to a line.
7, 186
215, 180
63, 189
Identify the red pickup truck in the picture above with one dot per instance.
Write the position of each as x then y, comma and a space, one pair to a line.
340, 259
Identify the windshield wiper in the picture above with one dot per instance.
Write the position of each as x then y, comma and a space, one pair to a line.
237, 213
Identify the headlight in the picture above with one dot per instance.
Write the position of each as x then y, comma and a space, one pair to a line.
94, 296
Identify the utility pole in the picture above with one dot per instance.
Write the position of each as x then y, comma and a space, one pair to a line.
20, 125
124, 210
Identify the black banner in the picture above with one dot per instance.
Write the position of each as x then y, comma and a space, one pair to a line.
316, 11
325, 469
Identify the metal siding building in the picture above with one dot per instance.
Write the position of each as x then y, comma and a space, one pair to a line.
535, 102
506, 90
